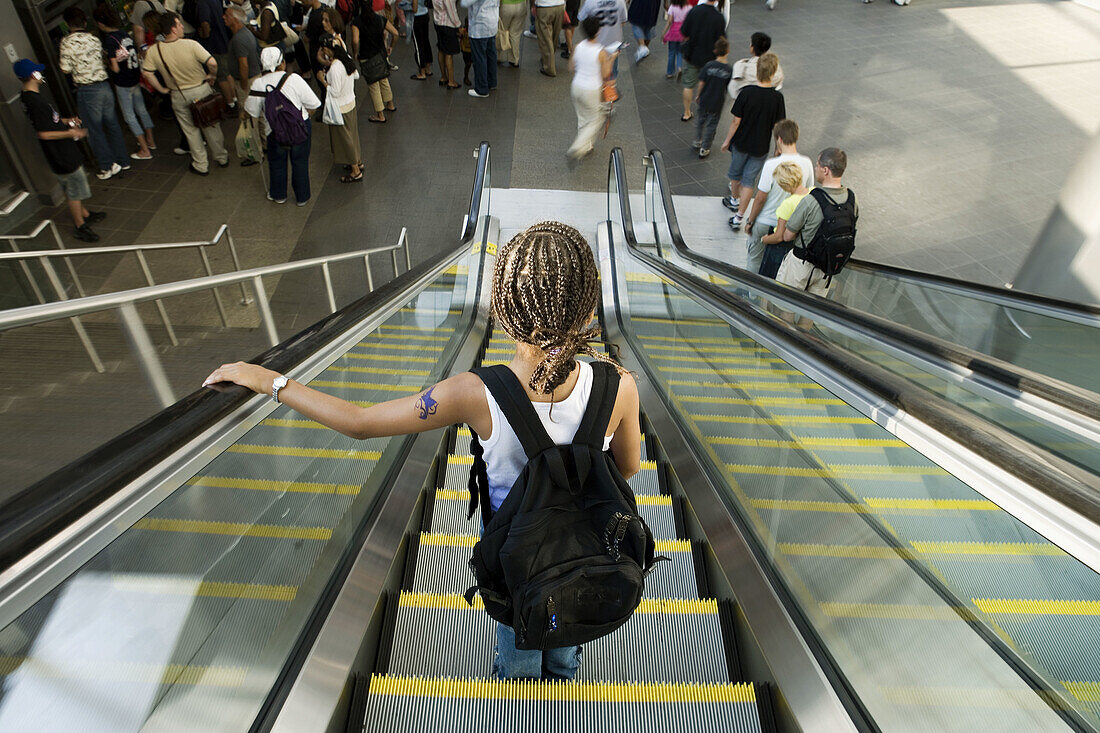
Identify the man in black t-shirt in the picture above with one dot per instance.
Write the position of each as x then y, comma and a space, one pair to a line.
58, 136
704, 25
757, 108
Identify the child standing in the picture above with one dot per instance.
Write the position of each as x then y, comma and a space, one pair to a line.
674, 18
713, 79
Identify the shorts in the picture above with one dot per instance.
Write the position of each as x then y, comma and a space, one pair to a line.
224, 69
572, 9
689, 75
75, 185
446, 40
745, 168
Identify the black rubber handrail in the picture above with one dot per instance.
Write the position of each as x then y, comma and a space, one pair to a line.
1056, 478
38, 512
1070, 396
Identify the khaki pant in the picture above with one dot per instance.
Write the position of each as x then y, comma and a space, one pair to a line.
380, 94
590, 117
548, 27
513, 19
181, 105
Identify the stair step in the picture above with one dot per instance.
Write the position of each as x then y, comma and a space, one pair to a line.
458, 475
442, 566
457, 705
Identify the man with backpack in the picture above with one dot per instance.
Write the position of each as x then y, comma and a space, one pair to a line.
822, 228
283, 100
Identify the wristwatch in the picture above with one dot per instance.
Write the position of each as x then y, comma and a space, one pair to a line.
279, 383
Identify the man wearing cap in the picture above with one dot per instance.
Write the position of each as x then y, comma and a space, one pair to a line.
298, 93
188, 70
58, 136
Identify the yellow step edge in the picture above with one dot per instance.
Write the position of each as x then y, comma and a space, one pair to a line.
101, 669
784, 420
464, 495
1038, 607
707, 340
453, 601
681, 322
277, 422
389, 358
842, 471
280, 450
537, 690
858, 551
382, 338
250, 484
1084, 691
205, 589
365, 385
746, 386
981, 505
807, 442
239, 529
382, 370
988, 548
762, 401
902, 505
399, 347
740, 372
468, 540
422, 310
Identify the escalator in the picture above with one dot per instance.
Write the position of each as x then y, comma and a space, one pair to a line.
259, 573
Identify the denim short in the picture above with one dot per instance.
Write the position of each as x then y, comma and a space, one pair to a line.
75, 185
745, 168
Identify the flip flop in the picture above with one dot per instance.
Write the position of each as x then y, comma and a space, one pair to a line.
351, 179
378, 122
419, 78
688, 118
454, 86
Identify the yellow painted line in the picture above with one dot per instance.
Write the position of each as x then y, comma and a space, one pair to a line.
302, 487
1084, 691
653, 500
986, 698
690, 347
279, 450
365, 385
455, 602
690, 342
611, 692
390, 358
719, 359
859, 551
205, 589
745, 372
460, 459
239, 529
762, 401
807, 442
647, 466
746, 386
784, 420
383, 370
852, 471
102, 669
965, 505
894, 611
418, 329
399, 347
988, 548
1038, 607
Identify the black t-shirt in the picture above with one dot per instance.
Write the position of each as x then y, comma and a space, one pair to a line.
372, 28
118, 45
63, 155
704, 25
759, 109
314, 29
715, 76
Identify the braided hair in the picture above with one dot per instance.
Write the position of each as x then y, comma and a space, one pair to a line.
545, 288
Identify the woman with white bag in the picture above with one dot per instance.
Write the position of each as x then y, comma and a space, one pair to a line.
339, 75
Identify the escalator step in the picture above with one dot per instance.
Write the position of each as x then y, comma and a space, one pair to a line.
457, 706
441, 636
442, 566
458, 475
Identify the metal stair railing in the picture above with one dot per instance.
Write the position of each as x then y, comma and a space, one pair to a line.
126, 301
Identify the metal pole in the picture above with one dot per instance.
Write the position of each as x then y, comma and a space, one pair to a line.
58, 288
213, 291
28, 274
146, 353
393, 256
408, 260
328, 287
68, 262
160, 303
245, 300
265, 310
370, 278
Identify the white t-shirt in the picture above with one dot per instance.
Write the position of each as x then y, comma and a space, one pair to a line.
504, 457
295, 89
612, 15
777, 195
587, 73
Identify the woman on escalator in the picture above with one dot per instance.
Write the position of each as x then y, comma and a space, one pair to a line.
544, 295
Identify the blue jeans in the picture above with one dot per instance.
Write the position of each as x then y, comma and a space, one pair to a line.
773, 258
299, 166
133, 109
485, 64
96, 105
673, 57
551, 664
706, 126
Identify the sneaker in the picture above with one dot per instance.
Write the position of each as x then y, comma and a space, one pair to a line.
529, 34
278, 201
735, 222
696, 144
104, 175
196, 171
85, 234
123, 167
731, 203
139, 156
704, 152
770, 4
180, 151
94, 217
641, 54
301, 203
473, 93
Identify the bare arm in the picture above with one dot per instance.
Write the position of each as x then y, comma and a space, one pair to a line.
754, 210
151, 77
779, 235
729, 136
788, 234
242, 69
63, 134
626, 445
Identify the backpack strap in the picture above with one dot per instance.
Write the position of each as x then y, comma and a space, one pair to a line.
601, 403
478, 485
516, 407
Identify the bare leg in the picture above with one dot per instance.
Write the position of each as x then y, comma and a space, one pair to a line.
735, 189
448, 71
688, 94
746, 199
78, 212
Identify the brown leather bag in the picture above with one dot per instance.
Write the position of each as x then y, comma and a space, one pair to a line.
205, 112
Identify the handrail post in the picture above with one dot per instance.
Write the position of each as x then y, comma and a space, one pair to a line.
328, 287
213, 291
28, 274
408, 259
59, 289
402, 242
265, 310
146, 354
68, 262
160, 303
370, 277
245, 300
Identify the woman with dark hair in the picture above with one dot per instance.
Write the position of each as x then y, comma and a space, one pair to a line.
591, 65
368, 34
338, 76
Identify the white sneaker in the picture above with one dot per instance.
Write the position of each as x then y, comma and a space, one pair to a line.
104, 175
643, 51
473, 93
529, 34
770, 4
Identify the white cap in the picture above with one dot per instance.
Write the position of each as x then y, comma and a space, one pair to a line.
270, 58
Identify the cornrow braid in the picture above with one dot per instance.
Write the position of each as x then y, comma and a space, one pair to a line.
545, 287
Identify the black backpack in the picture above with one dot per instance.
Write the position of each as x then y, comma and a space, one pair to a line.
835, 240
564, 559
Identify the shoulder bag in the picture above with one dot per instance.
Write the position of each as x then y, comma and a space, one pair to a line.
205, 112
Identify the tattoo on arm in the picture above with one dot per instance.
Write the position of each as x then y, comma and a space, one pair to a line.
426, 405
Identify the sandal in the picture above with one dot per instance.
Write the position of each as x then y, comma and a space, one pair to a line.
375, 119
442, 82
391, 109
418, 78
352, 179
454, 86
687, 118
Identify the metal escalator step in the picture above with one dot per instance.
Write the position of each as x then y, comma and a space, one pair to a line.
457, 706
458, 476
449, 514
441, 636
442, 566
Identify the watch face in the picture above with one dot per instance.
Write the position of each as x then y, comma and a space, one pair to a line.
280, 382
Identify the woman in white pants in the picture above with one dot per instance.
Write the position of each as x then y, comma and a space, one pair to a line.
591, 65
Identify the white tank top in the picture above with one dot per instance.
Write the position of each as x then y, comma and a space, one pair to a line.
586, 64
504, 456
